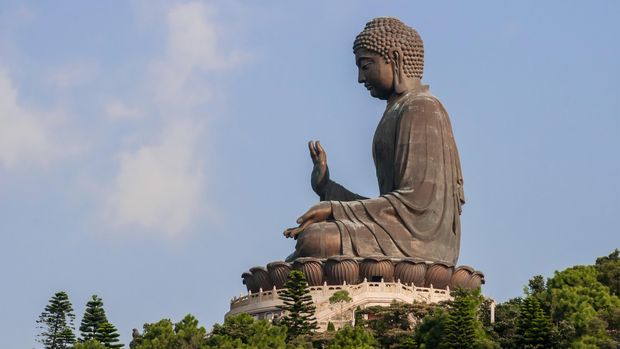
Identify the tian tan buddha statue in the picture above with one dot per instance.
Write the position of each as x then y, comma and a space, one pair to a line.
421, 186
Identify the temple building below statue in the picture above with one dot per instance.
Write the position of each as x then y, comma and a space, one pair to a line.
265, 304
369, 281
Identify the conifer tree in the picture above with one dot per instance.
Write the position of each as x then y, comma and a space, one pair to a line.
89, 344
94, 316
408, 343
534, 329
298, 306
108, 336
56, 322
460, 330
331, 327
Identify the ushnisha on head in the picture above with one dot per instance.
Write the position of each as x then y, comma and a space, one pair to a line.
384, 34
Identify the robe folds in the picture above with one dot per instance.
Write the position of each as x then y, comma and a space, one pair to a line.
421, 187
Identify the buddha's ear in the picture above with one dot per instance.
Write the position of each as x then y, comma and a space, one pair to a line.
396, 57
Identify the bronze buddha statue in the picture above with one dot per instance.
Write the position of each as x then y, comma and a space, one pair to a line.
421, 186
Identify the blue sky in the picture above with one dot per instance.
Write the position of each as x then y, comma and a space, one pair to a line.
152, 151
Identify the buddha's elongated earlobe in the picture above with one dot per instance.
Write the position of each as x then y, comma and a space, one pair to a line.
400, 85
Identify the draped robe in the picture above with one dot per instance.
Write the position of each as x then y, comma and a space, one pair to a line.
421, 187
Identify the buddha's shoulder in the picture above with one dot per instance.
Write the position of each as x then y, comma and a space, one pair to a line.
420, 100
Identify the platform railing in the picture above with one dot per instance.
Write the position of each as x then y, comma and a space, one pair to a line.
322, 293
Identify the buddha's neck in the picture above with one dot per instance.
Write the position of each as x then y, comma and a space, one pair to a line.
408, 84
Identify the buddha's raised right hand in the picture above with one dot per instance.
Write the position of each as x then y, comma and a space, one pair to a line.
320, 172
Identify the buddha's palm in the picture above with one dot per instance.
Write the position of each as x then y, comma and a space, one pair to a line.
320, 172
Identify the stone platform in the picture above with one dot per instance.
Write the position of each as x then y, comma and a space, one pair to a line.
264, 304
370, 281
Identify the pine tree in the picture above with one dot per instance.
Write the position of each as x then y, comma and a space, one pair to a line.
298, 306
56, 322
108, 336
408, 343
94, 316
460, 330
534, 329
331, 327
89, 344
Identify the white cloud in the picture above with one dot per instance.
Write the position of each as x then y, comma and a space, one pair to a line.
159, 187
25, 133
117, 110
157, 182
75, 74
192, 50
191, 38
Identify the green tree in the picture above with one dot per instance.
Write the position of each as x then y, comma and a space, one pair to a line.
163, 334
341, 298
580, 302
534, 329
56, 323
460, 329
582, 306
298, 306
188, 334
89, 344
359, 317
408, 343
158, 335
108, 336
463, 328
395, 316
236, 327
392, 326
609, 271
330, 327
243, 331
505, 326
353, 338
301, 342
429, 332
536, 285
94, 316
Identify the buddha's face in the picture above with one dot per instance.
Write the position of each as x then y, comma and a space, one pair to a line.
375, 73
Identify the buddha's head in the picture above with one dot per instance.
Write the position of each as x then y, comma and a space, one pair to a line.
389, 56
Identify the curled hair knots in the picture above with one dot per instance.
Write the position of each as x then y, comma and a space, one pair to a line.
383, 33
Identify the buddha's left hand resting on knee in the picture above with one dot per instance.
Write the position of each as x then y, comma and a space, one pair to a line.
320, 212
